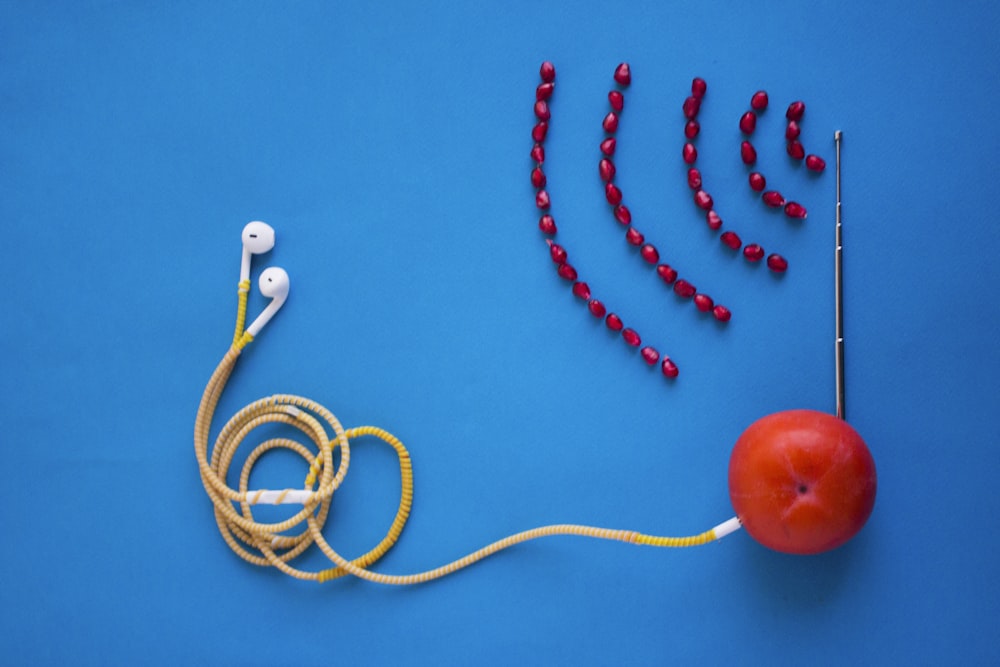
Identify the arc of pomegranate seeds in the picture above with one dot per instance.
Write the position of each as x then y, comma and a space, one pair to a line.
546, 223
606, 170
752, 252
794, 148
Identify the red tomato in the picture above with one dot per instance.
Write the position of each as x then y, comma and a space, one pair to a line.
801, 481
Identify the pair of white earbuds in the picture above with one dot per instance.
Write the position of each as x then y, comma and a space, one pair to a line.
258, 238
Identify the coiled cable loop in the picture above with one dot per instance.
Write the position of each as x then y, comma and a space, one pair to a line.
267, 544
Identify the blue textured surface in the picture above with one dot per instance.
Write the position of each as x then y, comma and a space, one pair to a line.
388, 144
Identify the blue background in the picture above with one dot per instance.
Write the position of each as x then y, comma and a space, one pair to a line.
388, 145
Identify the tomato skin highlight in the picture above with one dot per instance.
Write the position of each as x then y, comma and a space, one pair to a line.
802, 481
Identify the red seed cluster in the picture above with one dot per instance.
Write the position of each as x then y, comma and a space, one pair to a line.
606, 170
794, 148
704, 201
648, 252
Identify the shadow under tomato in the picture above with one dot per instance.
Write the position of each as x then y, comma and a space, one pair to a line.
804, 581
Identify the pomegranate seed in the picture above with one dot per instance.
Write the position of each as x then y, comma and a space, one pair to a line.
634, 236
617, 100
703, 302
691, 129
544, 91
623, 215
538, 177
773, 198
713, 220
666, 272
542, 199
649, 355
795, 111
748, 122
694, 179
757, 181
691, 106
650, 253
759, 101
748, 153
631, 337
698, 87
581, 290
610, 122
815, 163
689, 153
547, 224
684, 289
538, 153
777, 263
703, 200
731, 239
608, 146
539, 131
606, 168
548, 72
753, 252
792, 130
613, 194
795, 149
567, 272
613, 322
557, 253
596, 308
795, 210
623, 75
542, 110
669, 368
722, 313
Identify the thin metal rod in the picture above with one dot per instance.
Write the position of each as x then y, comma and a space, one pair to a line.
838, 277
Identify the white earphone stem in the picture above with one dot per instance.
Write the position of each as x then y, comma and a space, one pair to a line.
273, 283
245, 266
258, 238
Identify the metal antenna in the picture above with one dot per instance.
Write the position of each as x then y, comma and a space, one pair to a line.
838, 276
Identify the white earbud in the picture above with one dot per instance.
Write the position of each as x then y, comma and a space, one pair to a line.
273, 284
258, 238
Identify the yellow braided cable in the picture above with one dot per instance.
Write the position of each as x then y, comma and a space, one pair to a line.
268, 544
241, 309
693, 541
